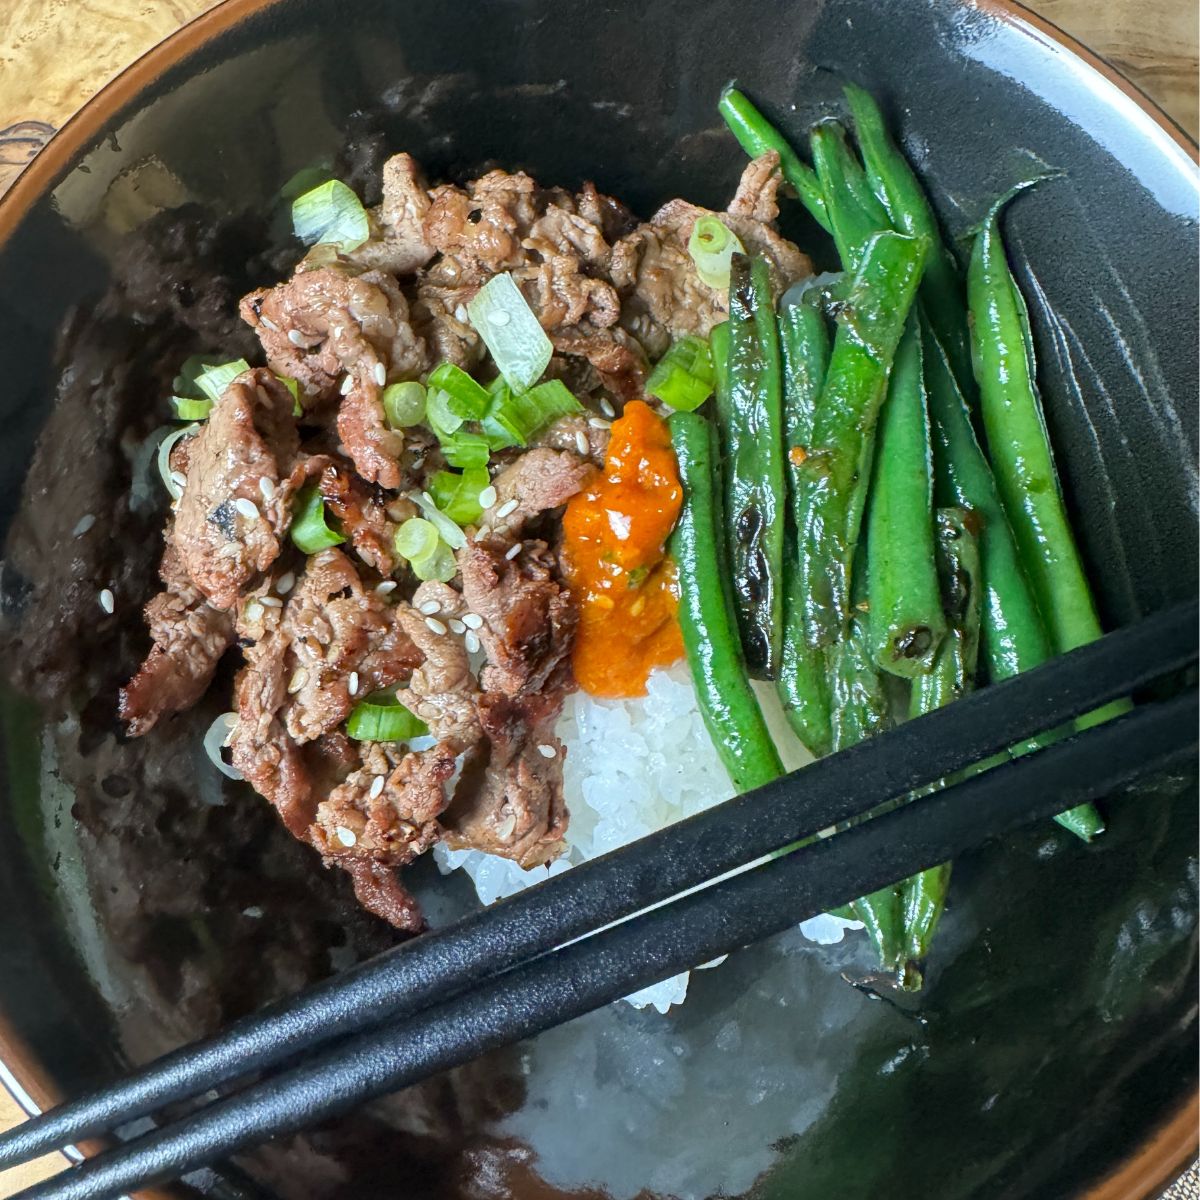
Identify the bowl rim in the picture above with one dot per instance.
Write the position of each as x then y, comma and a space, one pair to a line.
1167, 1150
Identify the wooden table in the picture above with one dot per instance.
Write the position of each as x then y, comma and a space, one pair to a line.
55, 54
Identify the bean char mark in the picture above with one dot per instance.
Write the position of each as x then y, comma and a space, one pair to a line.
224, 517
749, 522
915, 642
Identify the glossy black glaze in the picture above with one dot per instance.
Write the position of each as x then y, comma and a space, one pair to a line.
1060, 1032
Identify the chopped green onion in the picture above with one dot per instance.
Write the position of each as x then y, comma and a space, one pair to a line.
310, 531
522, 417
438, 415
383, 720
331, 214
164, 458
683, 377
305, 180
403, 404
464, 449
213, 380
293, 386
438, 566
511, 332
711, 246
187, 409
416, 538
450, 533
458, 495
466, 398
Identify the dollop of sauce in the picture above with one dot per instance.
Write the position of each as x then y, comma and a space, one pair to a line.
621, 580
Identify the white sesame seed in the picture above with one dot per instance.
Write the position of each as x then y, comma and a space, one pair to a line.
487, 497
547, 751
254, 610
285, 583
268, 323
346, 385
507, 508
295, 337
345, 836
380, 374
179, 479
247, 508
460, 314
267, 487
253, 912
471, 641
435, 626
581, 442
107, 602
513, 551
382, 589
606, 407
376, 787
456, 626
597, 422
353, 683
83, 525
270, 601
298, 680
498, 316
472, 620
429, 608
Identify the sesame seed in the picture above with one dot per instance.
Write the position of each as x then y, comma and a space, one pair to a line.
346, 384
597, 422
498, 317
429, 608
298, 680
270, 601
460, 314
107, 602
472, 620
254, 610
295, 337
179, 479
435, 626
376, 787
345, 836
581, 442
353, 683
267, 487
268, 323
285, 583
507, 508
547, 751
83, 525
487, 497
253, 912
382, 589
247, 508
380, 374
606, 407
471, 641
456, 626
513, 551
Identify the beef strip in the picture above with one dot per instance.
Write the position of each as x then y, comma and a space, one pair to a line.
580, 433
231, 518
439, 314
540, 480
189, 637
363, 515
616, 356
397, 243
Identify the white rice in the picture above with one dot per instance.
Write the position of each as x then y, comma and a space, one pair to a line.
633, 767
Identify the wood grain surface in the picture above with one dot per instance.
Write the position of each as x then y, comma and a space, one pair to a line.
55, 54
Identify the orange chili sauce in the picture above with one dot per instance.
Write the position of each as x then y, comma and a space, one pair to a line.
621, 580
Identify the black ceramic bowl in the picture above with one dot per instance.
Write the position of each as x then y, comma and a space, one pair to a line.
1057, 1032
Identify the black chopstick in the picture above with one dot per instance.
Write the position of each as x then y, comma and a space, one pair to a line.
585, 975
607, 889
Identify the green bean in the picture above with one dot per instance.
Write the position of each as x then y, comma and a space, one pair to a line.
943, 297
836, 472
854, 212
750, 417
706, 617
906, 622
1014, 638
756, 135
803, 684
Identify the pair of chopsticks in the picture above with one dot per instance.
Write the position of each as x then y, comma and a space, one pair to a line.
519, 968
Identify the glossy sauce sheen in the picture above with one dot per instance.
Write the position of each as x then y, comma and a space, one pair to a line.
615, 536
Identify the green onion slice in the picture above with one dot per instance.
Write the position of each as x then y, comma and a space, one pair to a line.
522, 417
465, 449
683, 377
293, 386
711, 246
449, 532
511, 332
403, 404
465, 397
331, 214
383, 720
188, 409
438, 415
439, 565
164, 458
416, 538
457, 495
213, 380
310, 530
